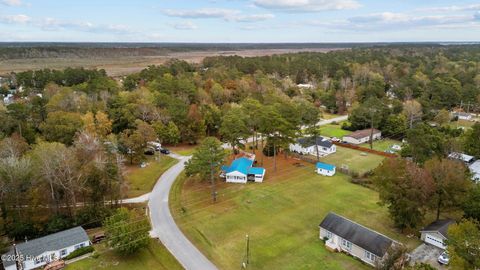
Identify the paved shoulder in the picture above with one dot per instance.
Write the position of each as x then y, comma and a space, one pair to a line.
164, 227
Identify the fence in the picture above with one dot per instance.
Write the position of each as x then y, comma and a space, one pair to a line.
364, 149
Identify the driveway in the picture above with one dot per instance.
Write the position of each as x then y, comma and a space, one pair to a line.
427, 254
163, 224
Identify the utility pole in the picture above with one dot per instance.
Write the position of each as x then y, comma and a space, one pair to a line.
247, 253
212, 181
248, 249
371, 128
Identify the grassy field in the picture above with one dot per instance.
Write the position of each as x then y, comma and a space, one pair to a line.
326, 115
155, 256
382, 145
281, 216
462, 123
357, 161
184, 149
142, 180
331, 130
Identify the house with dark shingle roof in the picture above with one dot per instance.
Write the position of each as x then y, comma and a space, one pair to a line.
342, 234
436, 233
307, 146
362, 136
38, 252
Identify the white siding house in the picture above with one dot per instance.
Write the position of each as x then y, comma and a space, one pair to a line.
475, 169
41, 251
463, 116
436, 233
342, 234
241, 171
325, 169
362, 136
307, 146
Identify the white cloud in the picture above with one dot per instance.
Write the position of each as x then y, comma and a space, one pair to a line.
15, 19
453, 8
11, 3
253, 18
184, 26
217, 13
201, 13
397, 21
307, 5
52, 24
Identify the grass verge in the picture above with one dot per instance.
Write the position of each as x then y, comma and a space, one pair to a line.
142, 180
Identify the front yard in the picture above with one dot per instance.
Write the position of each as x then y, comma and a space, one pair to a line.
281, 216
141, 180
332, 130
155, 256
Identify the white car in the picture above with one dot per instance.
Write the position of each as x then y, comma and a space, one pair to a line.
396, 147
444, 258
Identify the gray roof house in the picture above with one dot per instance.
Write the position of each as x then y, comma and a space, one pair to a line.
41, 251
436, 233
306, 146
475, 170
342, 234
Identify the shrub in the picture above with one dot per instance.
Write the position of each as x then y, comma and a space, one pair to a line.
79, 252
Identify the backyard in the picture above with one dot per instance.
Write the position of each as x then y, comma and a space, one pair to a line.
383, 144
141, 180
155, 256
280, 215
357, 161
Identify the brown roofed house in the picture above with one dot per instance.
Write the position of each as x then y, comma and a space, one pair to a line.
362, 136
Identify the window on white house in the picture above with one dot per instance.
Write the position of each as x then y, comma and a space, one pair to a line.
346, 244
329, 235
63, 252
369, 256
79, 246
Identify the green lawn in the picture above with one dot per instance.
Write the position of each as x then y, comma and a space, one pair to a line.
142, 180
184, 150
281, 216
326, 115
155, 256
357, 161
382, 145
331, 130
462, 123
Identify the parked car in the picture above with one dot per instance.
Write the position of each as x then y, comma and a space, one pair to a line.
149, 151
97, 238
444, 258
165, 151
155, 145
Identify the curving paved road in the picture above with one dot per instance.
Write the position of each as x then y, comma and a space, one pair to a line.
163, 224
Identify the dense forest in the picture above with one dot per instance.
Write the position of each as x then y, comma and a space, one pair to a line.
14, 50
66, 136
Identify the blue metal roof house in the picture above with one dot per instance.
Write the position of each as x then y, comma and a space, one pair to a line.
325, 169
241, 170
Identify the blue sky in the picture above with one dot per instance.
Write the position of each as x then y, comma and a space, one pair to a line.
239, 20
